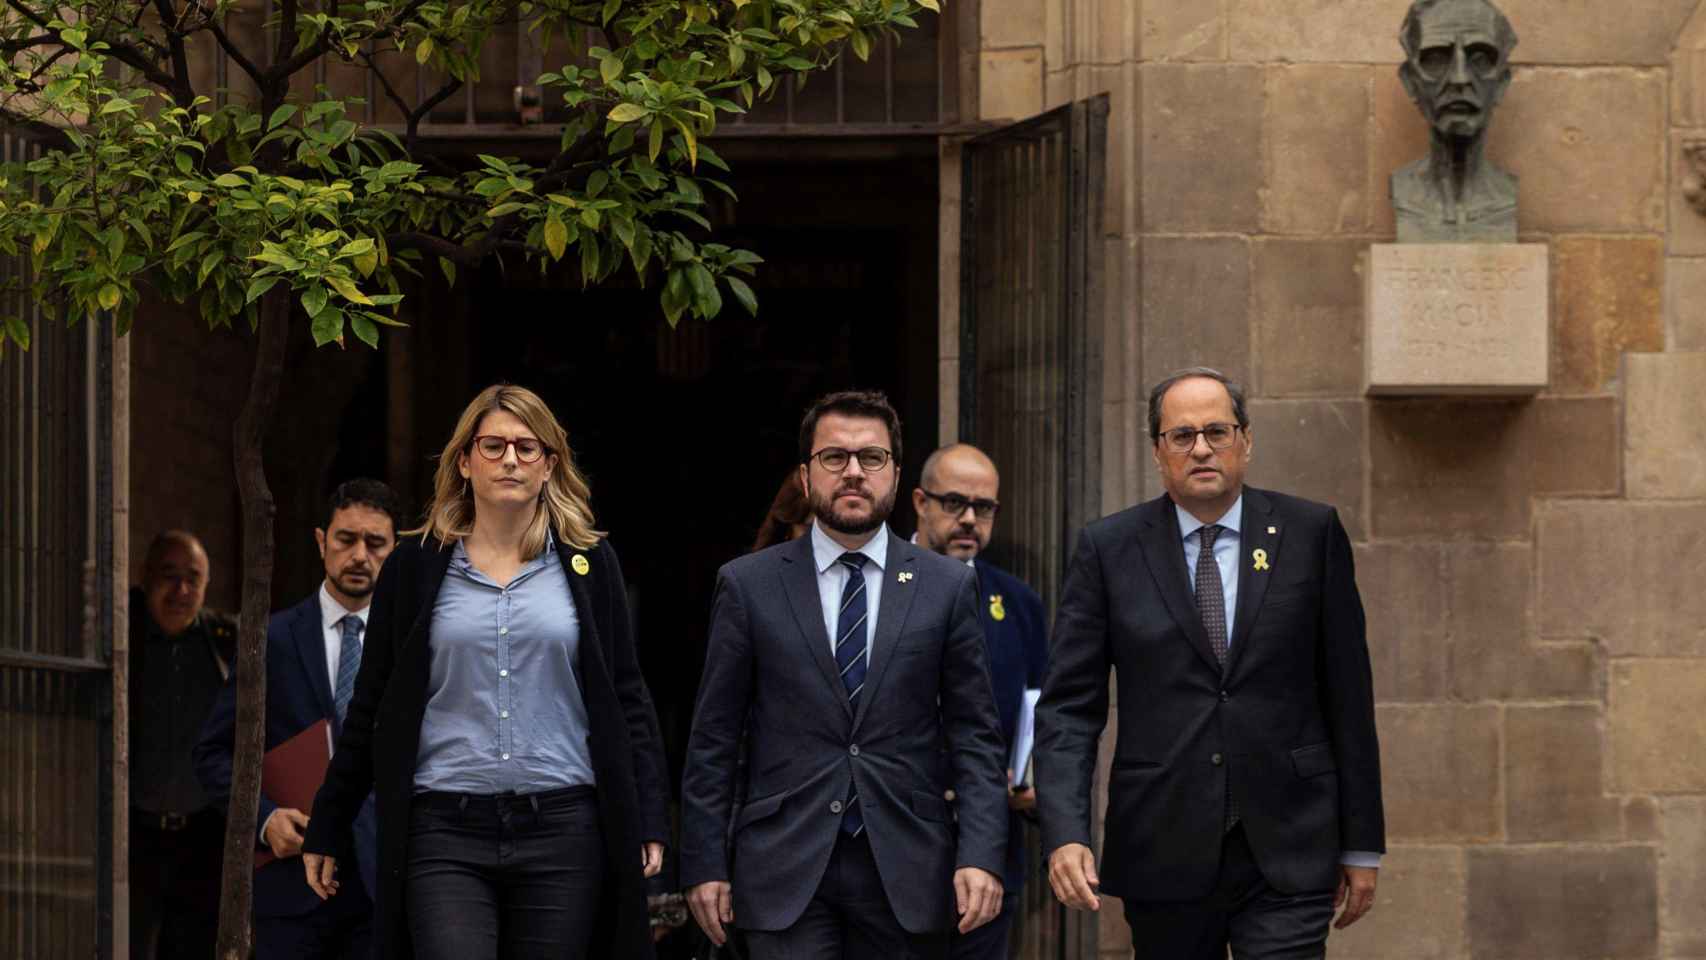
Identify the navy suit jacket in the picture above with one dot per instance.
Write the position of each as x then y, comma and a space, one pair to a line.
1018, 658
299, 694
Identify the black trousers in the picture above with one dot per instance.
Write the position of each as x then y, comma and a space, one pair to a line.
849, 918
174, 884
511, 877
338, 929
1243, 912
988, 942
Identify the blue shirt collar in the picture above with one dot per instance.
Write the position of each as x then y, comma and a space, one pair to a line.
1231, 520
459, 555
826, 551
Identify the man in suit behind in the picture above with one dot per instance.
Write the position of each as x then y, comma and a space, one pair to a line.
313, 654
1244, 800
848, 659
956, 501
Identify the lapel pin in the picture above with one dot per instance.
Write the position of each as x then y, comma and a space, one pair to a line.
1273, 530
580, 564
905, 576
997, 610
1261, 558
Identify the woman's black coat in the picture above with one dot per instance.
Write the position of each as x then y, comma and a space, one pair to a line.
381, 738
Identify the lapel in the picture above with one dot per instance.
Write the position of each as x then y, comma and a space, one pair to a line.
799, 585
435, 562
892, 610
1252, 583
580, 588
305, 632
1165, 553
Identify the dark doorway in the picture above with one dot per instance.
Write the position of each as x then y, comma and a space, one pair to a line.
687, 433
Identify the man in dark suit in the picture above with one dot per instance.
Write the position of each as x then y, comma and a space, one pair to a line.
1244, 800
848, 659
956, 502
313, 654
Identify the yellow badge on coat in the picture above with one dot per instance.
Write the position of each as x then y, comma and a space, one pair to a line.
997, 611
580, 564
1261, 558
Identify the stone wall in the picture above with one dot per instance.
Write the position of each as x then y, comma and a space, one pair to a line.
1529, 567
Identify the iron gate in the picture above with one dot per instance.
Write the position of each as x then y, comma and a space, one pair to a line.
1030, 374
56, 627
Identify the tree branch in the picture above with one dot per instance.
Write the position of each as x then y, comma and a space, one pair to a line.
122, 52
225, 43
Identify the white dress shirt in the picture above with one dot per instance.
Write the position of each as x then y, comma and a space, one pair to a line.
832, 579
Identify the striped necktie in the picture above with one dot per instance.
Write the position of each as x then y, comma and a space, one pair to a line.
349, 663
850, 632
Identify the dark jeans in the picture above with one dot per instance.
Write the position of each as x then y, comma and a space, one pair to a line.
988, 942
512, 877
1257, 921
174, 885
339, 929
849, 918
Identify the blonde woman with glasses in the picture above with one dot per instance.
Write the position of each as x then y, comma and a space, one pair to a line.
499, 718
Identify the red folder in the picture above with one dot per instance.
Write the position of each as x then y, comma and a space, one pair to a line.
291, 773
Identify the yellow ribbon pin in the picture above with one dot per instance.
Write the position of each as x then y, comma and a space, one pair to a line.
1261, 558
997, 611
580, 564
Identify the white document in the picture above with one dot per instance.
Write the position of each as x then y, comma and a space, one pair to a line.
1024, 733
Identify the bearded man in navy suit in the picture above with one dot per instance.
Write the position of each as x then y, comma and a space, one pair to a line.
313, 654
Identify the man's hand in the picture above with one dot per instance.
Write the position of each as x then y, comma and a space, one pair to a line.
283, 831
322, 874
712, 904
1356, 894
1072, 874
977, 897
651, 858
1022, 800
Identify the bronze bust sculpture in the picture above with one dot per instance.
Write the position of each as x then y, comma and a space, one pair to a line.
1456, 68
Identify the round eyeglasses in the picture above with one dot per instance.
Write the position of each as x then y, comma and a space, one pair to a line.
493, 447
1184, 439
836, 459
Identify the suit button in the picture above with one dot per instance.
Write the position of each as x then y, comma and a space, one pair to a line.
1217, 760
854, 750
835, 806
1224, 696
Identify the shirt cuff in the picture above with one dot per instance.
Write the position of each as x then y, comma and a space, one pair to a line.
1360, 858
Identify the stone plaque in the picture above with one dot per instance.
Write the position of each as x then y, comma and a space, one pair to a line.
1457, 318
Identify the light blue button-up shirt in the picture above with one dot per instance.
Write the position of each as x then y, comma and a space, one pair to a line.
832, 579
1225, 553
504, 710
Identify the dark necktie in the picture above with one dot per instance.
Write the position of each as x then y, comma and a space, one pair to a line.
1211, 607
349, 663
850, 658
1211, 595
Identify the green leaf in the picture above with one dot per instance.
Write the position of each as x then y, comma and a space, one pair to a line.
590, 218
610, 68
348, 291
207, 264
109, 296
314, 299
229, 180
744, 294
556, 236
364, 329
328, 327
610, 8
281, 115
184, 162
930, 5
627, 112
423, 53
18, 330
367, 263
356, 247
260, 285
861, 45
449, 269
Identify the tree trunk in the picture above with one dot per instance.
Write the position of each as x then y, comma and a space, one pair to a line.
238, 870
